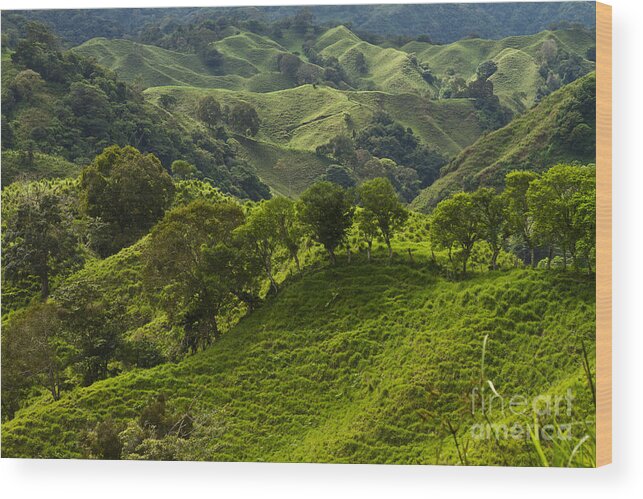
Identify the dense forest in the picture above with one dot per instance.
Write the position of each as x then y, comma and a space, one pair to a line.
262, 235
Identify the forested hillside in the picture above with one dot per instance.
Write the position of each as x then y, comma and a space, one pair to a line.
263, 235
442, 22
562, 128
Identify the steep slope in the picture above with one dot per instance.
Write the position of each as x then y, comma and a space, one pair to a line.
559, 129
359, 363
518, 58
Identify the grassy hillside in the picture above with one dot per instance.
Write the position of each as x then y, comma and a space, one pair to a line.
17, 165
536, 141
306, 117
388, 69
249, 62
517, 57
356, 363
295, 121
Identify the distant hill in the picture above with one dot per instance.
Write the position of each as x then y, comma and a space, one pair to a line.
559, 129
443, 22
360, 363
518, 58
249, 62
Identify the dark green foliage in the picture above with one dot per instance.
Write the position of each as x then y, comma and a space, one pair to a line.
38, 237
209, 111
486, 69
445, 22
386, 139
93, 325
34, 353
326, 210
128, 192
243, 119
61, 104
190, 267
340, 175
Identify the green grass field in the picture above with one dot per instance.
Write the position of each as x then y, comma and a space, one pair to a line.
359, 363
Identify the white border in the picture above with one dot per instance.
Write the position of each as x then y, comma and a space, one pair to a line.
69, 479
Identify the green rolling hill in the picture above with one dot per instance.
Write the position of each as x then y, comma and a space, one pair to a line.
249, 62
389, 70
359, 363
559, 129
295, 121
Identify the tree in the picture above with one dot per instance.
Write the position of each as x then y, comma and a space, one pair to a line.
288, 64
302, 20
93, 326
183, 170
286, 222
167, 101
486, 69
456, 222
244, 119
209, 111
520, 217
211, 56
187, 266
38, 236
492, 209
367, 228
326, 210
361, 66
341, 148
33, 353
128, 191
261, 239
339, 175
379, 198
560, 202
25, 83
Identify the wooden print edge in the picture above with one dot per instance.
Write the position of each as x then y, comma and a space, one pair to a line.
603, 234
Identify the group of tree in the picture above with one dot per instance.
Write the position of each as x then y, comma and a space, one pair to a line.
382, 149
242, 117
553, 214
491, 112
559, 67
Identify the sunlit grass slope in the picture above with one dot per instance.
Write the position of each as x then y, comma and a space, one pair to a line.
533, 141
294, 122
306, 117
388, 69
358, 363
249, 63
